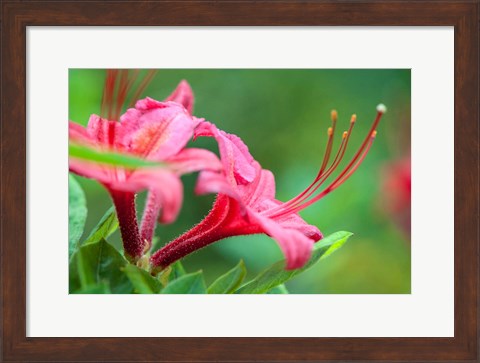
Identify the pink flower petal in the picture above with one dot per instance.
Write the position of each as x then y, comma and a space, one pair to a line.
193, 159
212, 182
90, 170
183, 94
78, 134
165, 184
290, 221
296, 247
103, 131
261, 189
294, 221
157, 130
236, 159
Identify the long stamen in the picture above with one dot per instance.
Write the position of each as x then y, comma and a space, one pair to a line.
122, 92
330, 170
322, 174
381, 109
145, 82
340, 179
118, 85
300, 202
308, 190
322, 177
108, 92
292, 203
331, 132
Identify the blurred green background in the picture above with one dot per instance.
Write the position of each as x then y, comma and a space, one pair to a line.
283, 116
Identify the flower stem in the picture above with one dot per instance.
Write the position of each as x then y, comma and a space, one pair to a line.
133, 245
181, 247
220, 223
149, 219
201, 235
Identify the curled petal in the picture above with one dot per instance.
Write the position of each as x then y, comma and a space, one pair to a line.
290, 221
192, 159
205, 129
296, 247
212, 182
148, 104
294, 221
236, 159
183, 94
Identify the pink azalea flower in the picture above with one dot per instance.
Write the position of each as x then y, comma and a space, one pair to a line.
153, 130
246, 201
397, 192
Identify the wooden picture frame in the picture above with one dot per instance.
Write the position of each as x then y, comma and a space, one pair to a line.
18, 15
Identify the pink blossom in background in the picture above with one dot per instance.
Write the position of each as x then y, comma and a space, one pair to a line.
397, 192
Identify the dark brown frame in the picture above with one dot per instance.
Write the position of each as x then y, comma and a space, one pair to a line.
17, 15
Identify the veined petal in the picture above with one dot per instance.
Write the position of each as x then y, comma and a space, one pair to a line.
157, 130
103, 131
78, 134
263, 188
294, 221
183, 94
193, 159
296, 247
290, 221
236, 159
215, 182
91, 170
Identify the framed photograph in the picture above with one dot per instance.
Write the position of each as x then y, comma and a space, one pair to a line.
175, 174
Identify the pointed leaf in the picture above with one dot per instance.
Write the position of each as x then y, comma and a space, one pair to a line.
96, 263
177, 270
229, 282
107, 225
172, 272
276, 274
90, 154
142, 281
77, 214
187, 284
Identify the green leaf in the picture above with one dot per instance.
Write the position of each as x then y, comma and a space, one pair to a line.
87, 153
276, 274
187, 284
101, 288
172, 272
97, 263
229, 282
142, 281
177, 270
77, 214
280, 289
107, 225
